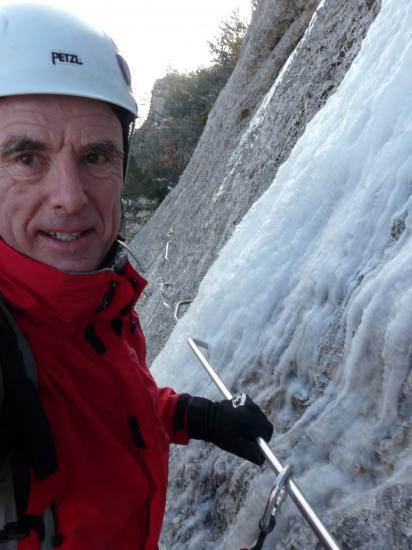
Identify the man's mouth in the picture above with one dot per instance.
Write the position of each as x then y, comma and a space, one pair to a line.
66, 237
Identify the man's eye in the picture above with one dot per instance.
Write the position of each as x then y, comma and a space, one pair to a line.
95, 158
28, 159
26, 165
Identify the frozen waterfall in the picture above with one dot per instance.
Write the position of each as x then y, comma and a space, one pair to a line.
308, 308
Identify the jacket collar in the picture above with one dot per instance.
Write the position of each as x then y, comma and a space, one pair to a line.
37, 290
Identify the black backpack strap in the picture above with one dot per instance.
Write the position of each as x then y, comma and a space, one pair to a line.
20, 389
26, 433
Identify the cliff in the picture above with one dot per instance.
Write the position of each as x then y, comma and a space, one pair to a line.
291, 228
215, 191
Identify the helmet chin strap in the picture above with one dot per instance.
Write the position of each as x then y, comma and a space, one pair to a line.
128, 124
130, 133
128, 127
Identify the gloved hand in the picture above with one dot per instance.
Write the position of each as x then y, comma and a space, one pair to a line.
233, 425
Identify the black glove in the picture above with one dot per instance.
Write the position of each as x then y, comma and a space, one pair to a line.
233, 425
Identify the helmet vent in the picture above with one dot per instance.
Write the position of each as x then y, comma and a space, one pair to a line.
124, 69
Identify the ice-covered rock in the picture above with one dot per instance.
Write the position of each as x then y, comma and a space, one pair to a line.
308, 307
250, 132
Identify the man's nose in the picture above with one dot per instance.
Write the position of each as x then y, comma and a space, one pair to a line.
66, 187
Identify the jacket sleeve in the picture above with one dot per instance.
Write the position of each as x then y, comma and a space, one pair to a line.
173, 412
172, 407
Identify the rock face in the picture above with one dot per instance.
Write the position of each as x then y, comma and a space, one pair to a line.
329, 356
216, 189
157, 103
308, 308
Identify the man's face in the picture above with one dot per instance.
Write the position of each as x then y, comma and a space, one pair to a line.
61, 171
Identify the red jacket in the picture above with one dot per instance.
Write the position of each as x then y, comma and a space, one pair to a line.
111, 424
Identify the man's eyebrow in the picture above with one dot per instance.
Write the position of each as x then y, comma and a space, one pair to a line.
105, 146
20, 144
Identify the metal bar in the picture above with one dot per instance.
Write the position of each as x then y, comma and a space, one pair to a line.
167, 252
140, 267
302, 504
178, 306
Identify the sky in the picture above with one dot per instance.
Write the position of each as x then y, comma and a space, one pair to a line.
156, 35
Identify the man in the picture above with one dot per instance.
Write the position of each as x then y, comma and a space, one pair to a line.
85, 431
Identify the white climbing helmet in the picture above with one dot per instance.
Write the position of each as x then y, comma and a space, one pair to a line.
46, 50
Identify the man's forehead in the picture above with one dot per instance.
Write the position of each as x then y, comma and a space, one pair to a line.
52, 114
46, 100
